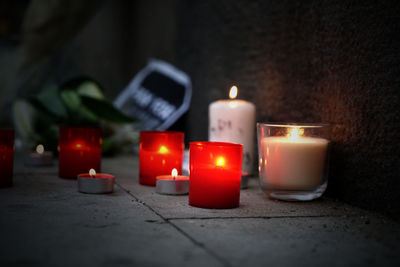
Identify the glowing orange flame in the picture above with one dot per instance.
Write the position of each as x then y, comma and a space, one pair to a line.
78, 145
163, 150
220, 161
295, 132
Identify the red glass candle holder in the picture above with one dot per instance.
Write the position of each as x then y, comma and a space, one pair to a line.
159, 153
6, 157
215, 174
79, 150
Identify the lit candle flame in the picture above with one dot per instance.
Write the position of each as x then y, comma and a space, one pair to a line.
233, 92
163, 150
40, 149
220, 162
295, 133
92, 172
174, 173
78, 145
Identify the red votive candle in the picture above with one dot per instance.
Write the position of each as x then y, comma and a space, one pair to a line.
80, 150
215, 174
6, 157
159, 153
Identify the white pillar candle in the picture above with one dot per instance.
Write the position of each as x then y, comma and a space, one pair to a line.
293, 162
233, 120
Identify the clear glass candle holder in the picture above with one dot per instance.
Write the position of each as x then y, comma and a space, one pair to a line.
293, 160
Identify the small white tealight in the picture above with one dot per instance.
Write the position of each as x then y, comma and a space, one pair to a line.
39, 157
95, 183
173, 184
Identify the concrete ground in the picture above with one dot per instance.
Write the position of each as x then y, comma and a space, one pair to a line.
45, 222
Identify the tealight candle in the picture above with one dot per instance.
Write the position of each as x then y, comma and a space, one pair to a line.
215, 174
233, 121
80, 150
173, 184
159, 153
6, 157
39, 157
95, 183
292, 160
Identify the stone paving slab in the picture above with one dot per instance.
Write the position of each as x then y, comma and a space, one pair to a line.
46, 222
326, 241
253, 202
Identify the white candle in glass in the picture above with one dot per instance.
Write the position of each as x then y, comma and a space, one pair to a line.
294, 162
233, 120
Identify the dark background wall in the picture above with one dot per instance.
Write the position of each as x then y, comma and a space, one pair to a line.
45, 42
307, 61
298, 61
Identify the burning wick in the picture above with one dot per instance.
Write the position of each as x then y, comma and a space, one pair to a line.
163, 150
233, 92
220, 162
295, 133
92, 173
174, 173
40, 149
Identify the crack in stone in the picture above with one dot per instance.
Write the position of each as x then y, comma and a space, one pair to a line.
99, 226
255, 217
220, 259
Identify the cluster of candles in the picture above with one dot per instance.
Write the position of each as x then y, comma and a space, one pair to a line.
215, 169
292, 158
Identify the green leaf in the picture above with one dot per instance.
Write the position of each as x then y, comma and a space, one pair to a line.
23, 114
90, 89
41, 108
107, 146
71, 99
75, 82
105, 110
46, 134
88, 115
50, 100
